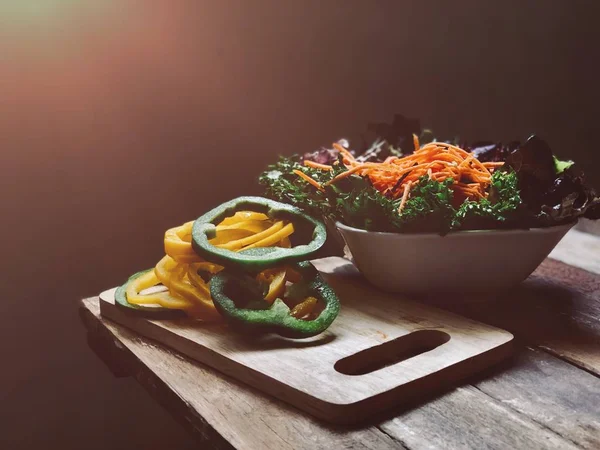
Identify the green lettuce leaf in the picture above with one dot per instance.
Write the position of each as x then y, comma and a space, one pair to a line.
561, 166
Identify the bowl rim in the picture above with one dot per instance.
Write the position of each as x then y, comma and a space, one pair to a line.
551, 229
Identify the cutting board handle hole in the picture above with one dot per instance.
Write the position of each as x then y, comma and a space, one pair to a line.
392, 352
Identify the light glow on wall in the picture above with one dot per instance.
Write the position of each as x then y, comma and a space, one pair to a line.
40, 19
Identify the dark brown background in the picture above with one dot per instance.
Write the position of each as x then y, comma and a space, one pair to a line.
120, 119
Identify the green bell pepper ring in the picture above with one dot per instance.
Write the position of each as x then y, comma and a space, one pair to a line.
257, 259
260, 316
151, 312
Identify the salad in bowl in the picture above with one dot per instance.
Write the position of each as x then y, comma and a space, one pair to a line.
414, 211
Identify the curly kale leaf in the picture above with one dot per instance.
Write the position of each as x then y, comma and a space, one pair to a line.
355, 202
358, 204
282, 184
429, 208
497, 210
504, 193
352, 200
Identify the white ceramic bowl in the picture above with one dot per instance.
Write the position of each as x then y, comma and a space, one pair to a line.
463, 261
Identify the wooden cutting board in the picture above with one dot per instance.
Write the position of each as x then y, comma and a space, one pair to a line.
382, 350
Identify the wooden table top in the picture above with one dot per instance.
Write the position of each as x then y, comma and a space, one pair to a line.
547, 396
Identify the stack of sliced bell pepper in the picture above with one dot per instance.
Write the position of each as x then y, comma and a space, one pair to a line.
237, 263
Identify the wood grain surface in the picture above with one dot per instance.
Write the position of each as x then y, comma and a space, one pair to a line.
557, 309
467, 418
552, 393
221, 410
218, 409
539, 399
309, 374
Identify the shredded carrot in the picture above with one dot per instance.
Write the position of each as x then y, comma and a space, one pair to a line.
309, 179
416, 142
316, 165
345, 152
437, 160
404, 196
350, 172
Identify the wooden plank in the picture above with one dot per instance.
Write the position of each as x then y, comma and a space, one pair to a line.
552, 393
466, 418
222, 411
309, 374
579, 341
589, 226
580, 249
124, 361
557, 309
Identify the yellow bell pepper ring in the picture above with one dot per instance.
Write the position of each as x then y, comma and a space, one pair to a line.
178, 244
174, 276
164, 299
179, 272
148, 305
304, 308
241, 216
244, 224
276, 279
